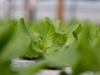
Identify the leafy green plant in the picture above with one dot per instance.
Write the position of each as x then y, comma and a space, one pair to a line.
73, 45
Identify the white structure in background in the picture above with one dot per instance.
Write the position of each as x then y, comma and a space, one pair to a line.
17, 8
80, 9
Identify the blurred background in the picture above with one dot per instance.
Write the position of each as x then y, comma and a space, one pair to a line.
65, 10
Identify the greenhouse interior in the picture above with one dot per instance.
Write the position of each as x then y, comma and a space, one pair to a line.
49, 37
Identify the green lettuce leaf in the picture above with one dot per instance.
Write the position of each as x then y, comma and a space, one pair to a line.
48, 34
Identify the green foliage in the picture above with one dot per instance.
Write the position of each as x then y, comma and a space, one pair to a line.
5, 34
72, 45
48, 34
57, 24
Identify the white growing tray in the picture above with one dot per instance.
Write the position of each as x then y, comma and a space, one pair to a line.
25, 63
